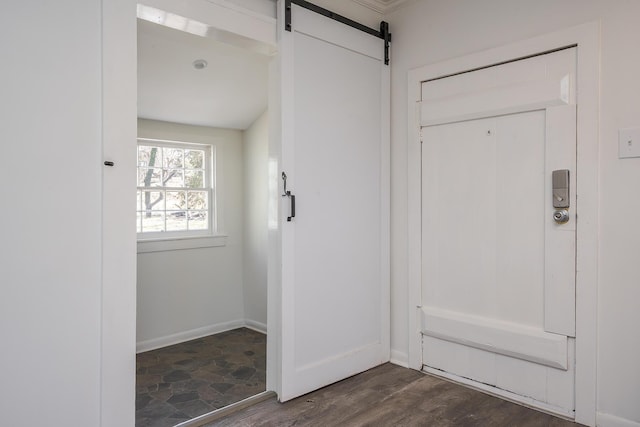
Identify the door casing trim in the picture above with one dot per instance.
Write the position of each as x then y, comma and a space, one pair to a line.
118, 103
587, 39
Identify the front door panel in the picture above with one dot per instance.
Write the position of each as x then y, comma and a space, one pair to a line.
498, 285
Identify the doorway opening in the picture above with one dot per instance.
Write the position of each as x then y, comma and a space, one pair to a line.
203, 132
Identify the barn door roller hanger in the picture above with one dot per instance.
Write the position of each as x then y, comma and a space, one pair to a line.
383, 33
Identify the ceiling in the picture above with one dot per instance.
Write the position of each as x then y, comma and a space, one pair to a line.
231, 92
381, 6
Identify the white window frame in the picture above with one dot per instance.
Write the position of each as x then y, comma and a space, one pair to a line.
185, 239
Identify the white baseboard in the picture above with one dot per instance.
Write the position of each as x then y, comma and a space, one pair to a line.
256, 326
192, 334
608, 420
399, 358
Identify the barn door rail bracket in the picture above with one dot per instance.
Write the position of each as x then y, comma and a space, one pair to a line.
383, 33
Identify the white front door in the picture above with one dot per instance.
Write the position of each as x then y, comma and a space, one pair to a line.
498, 281
335, 250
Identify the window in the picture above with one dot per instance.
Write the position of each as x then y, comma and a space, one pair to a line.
175, 190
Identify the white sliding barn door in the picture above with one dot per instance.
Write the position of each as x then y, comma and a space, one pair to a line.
498, 281
335, 251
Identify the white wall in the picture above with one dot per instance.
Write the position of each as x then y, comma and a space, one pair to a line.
349, 9
262, 7
352, 10
429, 31
185, 293
256, 158
50, 221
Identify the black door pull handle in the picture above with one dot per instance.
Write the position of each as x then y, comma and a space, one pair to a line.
293, 206
292, 198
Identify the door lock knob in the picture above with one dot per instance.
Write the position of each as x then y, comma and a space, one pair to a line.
561, 216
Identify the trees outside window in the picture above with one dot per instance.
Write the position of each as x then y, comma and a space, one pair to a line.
175, 190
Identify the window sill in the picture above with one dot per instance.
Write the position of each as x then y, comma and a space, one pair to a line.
180, 243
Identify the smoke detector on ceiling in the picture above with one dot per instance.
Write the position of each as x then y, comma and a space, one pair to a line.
200, 64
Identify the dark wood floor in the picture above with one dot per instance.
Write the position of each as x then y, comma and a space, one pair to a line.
392, 396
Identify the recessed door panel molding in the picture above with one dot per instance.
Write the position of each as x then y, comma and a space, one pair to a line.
506, 338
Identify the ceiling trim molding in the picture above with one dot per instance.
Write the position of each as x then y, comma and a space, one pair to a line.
380, 6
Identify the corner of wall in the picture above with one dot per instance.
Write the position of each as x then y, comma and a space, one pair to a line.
399, 358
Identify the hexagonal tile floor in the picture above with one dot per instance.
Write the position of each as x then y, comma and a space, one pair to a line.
183, 381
